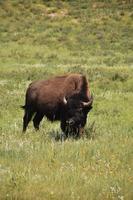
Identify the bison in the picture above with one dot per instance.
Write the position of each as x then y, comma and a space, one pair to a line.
64, 98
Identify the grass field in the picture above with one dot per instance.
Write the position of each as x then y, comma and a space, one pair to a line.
40, 39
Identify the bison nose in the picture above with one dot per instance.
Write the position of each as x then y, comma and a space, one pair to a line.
70, 122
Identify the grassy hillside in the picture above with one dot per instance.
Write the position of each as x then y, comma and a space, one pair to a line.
66, 32
40, 39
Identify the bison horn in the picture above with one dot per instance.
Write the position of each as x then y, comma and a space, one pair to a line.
86, 104
64, 100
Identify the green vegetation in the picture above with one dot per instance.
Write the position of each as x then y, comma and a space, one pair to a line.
40, 39
66, 32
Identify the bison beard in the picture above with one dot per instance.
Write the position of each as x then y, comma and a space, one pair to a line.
65, 98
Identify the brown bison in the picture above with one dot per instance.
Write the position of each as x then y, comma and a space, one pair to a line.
65, 98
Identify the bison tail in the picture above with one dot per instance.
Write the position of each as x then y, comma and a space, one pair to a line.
23, 107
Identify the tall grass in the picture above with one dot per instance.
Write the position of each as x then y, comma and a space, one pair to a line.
38, 165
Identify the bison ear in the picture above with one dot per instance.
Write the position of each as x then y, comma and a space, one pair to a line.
65, 101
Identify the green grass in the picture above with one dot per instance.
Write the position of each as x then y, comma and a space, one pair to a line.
66, 32
99, 166
40, 39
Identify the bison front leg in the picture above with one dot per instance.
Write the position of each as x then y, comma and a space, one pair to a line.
64, 130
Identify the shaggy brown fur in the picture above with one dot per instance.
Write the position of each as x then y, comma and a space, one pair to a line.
46, 98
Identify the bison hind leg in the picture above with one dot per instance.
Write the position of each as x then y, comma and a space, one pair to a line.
27, 117
37, 119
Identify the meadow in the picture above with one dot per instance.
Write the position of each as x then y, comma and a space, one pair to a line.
40, 39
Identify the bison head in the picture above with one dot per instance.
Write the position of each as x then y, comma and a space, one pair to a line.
75, 114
